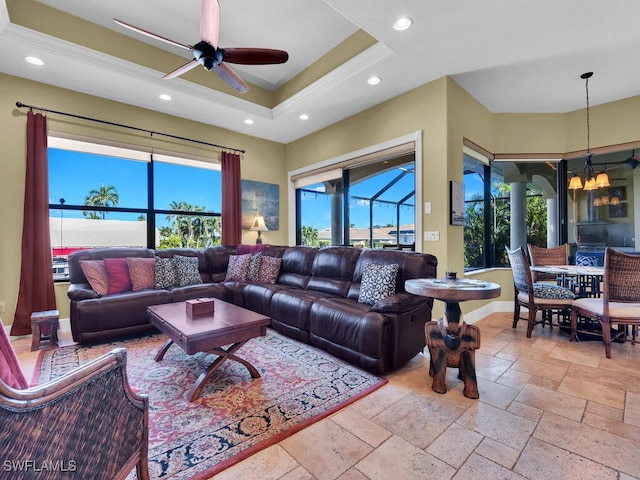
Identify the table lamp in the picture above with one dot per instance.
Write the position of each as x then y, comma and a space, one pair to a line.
259, 226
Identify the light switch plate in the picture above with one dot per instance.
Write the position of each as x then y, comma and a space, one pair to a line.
431, 236
427, 207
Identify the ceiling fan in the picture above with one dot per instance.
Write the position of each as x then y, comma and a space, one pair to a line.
208, 54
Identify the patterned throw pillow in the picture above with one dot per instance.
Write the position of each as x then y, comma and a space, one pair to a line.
586, 260
269, 269
118, 275
238, 267
142, 272
187, 270
378, 282
96, 275
254, 267
166, 275
552, 292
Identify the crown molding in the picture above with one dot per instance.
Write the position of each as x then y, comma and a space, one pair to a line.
357, 64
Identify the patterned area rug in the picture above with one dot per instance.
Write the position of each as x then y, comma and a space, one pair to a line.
235, 415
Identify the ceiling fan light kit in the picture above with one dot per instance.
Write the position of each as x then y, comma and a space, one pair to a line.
208, 53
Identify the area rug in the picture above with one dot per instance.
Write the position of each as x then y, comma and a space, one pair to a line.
235, 415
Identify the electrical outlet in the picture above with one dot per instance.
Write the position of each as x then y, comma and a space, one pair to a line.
2, 307
427, 207
431, 236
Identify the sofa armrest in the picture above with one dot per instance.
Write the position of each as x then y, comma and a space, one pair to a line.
398, 303
81, 291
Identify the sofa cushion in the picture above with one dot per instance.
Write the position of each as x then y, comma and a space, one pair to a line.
552, 292
96, 275
253, 272
378, 282
118, 275
166, 275
238, 267
269, 269
187, 271
142, 272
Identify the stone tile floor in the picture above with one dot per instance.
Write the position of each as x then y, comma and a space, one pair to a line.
548, 409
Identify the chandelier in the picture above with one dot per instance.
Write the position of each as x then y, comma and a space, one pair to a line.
591, 181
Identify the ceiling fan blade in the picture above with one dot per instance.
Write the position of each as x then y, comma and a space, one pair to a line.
230, 76
152, 35
210, 21
254, 56
180, 70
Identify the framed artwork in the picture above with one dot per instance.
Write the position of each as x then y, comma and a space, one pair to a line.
456, 199
260, 198
620, 192
618, 211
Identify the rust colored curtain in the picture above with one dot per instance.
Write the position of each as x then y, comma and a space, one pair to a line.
36, 291
231, 199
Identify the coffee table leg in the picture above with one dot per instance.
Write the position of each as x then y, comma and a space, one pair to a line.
163, 350
194, 391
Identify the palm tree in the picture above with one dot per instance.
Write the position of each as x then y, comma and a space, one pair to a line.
103, 197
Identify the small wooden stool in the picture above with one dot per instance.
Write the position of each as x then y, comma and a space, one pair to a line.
44, 329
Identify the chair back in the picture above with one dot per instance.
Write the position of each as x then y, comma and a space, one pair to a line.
521, 271
621, 281
547, 256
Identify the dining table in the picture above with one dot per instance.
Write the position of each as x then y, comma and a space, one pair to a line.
584, 280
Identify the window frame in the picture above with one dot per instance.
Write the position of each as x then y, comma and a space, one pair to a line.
133, 153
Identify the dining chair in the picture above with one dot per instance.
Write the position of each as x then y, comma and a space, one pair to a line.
620, 302
547, 256
534, 296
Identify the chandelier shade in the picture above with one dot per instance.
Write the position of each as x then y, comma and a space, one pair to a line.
591, 181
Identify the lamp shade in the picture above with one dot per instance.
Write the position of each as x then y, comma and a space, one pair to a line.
258, 224
590, 184
575, 183
602, 180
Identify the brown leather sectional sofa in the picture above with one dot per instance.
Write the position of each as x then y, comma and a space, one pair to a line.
315, 300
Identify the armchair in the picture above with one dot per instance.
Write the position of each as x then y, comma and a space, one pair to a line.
88, 423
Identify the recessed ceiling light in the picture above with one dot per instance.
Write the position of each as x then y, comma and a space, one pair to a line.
165, 97
374, 80
304, 116
34, 60
402, 23
248, 121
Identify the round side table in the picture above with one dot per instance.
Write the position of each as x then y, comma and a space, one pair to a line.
451, 342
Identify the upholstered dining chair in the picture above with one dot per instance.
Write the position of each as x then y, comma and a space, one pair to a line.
535, 297
620, 302
547, 256
87, 423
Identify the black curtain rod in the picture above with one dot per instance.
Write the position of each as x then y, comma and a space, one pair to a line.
31, 107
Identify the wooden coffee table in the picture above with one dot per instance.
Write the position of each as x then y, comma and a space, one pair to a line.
228, 325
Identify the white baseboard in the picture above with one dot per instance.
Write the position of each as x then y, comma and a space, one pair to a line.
493, 307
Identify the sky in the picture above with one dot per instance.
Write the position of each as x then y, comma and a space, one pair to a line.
73, 174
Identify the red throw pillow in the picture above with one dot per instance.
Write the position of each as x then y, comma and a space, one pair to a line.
96, 275
118, 274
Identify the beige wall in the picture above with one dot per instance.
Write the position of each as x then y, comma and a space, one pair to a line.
263, 160
441, 110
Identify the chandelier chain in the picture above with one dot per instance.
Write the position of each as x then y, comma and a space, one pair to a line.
586, 86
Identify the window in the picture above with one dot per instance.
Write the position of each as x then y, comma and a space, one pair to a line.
375, 200
503, 199
102, 196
